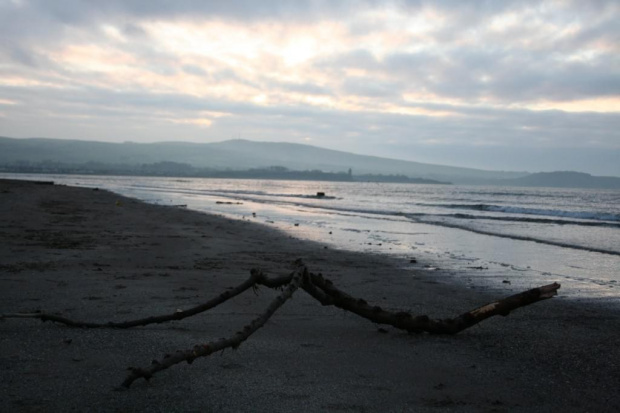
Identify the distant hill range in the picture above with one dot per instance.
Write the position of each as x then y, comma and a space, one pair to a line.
566, 179
242, 155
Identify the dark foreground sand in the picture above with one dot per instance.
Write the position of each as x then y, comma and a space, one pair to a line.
76, 252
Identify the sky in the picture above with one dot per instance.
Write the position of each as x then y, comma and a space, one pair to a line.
504, 85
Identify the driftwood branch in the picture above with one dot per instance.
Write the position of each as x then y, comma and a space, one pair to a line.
235, 341
325, 292
320, 289
256, 278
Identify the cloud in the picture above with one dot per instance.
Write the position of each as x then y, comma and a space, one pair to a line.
344, 74
195, 70
78, 12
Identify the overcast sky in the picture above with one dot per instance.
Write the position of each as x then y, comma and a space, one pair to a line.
512, 85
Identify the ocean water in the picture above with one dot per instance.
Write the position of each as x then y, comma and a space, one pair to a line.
498, 238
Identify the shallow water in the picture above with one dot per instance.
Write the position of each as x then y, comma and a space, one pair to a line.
491, 237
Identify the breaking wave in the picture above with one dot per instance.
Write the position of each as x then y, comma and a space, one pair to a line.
586, 215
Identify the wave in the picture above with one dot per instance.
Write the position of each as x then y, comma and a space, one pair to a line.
604, 219
568, 217
231, 192
535, 220
527, 194
589, 215
517, 237
424, 218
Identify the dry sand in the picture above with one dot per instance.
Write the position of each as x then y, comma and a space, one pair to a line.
94, 255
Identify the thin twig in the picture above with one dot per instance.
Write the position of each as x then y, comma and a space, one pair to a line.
256, 277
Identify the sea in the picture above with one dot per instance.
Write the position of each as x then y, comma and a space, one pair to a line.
483, 237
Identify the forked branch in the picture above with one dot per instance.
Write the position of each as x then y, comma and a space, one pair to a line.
323, 291
204, 350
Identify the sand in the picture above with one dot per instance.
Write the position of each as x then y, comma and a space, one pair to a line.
97, 256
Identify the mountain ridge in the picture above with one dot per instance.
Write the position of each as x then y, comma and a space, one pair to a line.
234, 154
240, 154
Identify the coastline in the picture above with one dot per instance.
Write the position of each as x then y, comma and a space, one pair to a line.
95, 255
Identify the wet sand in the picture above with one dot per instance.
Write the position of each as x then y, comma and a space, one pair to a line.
97, 256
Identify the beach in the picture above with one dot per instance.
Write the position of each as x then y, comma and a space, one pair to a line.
93, 255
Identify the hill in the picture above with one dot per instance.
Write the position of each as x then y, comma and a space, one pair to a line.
566, 179
233, 154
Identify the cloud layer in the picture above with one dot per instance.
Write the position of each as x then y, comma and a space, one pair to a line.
427, 81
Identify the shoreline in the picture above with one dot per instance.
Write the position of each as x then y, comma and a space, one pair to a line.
525, 264
98, 256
